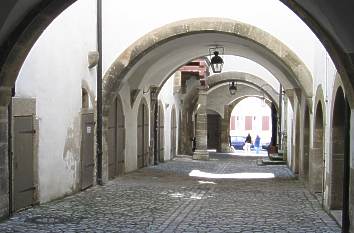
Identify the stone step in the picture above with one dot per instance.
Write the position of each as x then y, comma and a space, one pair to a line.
276, 157
267, 161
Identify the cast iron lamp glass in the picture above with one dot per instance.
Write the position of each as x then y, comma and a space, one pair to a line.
232, 88
216, 62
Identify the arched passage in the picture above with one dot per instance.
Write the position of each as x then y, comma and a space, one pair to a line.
161, 132
173, 133
317, 157
250, 115
336, 163
116, 139
143, 135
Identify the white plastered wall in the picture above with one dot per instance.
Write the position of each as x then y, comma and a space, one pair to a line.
54, 73
169, 100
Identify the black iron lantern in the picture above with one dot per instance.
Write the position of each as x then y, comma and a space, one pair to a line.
216, 61
232, 88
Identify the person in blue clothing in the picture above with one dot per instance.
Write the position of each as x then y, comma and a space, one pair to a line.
257, 144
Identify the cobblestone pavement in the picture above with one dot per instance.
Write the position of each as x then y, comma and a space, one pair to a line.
165, 198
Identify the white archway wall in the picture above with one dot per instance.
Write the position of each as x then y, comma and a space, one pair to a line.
140, 66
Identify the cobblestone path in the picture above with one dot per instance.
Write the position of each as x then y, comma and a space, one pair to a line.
165, 198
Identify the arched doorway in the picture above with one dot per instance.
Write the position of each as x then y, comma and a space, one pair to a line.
336, 164
161, 132
143, 135
116, 139
306, 153
173, 132
317, 157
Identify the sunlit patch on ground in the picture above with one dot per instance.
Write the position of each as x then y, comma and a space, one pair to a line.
241, 175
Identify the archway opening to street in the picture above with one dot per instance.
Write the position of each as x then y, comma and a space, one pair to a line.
337, 155
251, 115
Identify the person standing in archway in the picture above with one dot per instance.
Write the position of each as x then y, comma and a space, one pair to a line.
257, 143
248, 142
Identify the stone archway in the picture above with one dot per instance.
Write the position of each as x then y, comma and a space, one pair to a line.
336, 163
316, 171
137, 65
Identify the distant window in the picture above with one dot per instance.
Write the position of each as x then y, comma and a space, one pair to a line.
248, 123
85, 98
265, 123
232, 123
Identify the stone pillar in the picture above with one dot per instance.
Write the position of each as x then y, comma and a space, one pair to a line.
225, 131
316, 162
154, 125
4, 171
201, 151
186, 133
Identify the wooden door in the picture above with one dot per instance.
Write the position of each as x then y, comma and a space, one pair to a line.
140, 137
120, 139
116, 140
213, 131
87, 150
23, 183
161, 138
111, 141
146, 136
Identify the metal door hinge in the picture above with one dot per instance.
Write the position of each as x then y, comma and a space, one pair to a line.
28, 131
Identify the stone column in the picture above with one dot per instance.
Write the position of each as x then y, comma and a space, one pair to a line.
225, 131
201, 151
153, 124
186, 132
4, 172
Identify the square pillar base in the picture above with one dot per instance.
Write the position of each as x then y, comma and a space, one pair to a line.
201, 155
225, 148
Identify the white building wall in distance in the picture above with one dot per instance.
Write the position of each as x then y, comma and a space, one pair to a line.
254, 110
